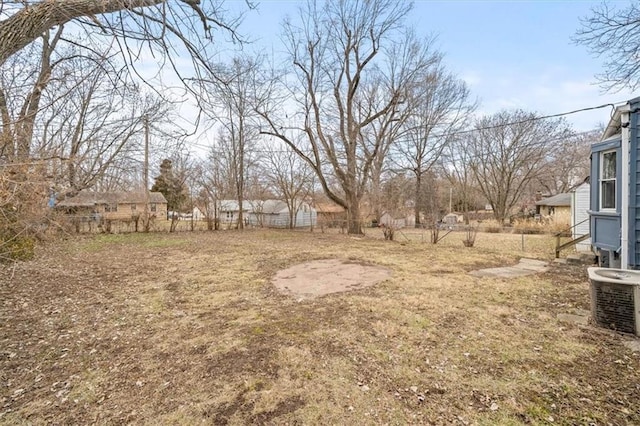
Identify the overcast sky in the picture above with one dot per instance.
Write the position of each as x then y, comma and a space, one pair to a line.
513, 54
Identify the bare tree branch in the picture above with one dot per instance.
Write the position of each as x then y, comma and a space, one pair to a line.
614, 33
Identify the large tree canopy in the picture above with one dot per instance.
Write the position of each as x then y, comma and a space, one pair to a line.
508, 150
353, 63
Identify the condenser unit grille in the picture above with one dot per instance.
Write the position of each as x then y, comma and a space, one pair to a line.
614, 306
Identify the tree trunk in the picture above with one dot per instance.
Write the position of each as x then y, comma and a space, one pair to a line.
7, 144
354, 225
240, 215
418, 199
376, 197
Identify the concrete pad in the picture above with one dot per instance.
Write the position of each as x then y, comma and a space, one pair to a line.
582, 312
321, 277
634, 345
523, 268
576, 319
532, 265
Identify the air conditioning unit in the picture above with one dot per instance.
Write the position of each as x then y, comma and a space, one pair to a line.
615, 299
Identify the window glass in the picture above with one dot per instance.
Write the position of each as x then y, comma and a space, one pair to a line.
609, 165
608, 180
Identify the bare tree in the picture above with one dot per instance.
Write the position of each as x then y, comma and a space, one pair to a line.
163, 30
457, 161
508, 150
18, 122
614, 32
235, 91
216, 185
290, 177
397, 193
441, 105
568, 163
337, 50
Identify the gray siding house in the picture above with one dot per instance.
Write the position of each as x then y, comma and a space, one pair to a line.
267, 213
615, 190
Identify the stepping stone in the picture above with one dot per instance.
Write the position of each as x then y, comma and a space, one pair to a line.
521, 269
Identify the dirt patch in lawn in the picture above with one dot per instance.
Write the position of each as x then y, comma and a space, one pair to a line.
321, 277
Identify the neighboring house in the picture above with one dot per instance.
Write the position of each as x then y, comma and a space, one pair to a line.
615, 190
197, 213
331, 214
580, 215
267, 213
557, 207
275, 214
453, 218
113, 205
397, 220
229, 211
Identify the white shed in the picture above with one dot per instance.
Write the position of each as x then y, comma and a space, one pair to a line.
580, 198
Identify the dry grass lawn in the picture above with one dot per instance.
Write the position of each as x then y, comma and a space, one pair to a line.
187, 328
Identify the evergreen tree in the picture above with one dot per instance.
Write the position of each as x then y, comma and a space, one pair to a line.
172, 187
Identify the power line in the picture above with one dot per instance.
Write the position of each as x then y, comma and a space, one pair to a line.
210, 149
477, 129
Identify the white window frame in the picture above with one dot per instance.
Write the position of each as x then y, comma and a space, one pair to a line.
602, 180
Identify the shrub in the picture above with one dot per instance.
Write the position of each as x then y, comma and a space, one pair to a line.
471, 232
549, 225
23, 210
491, 226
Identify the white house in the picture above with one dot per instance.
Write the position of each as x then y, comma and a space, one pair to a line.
228, 210
197, 214
267, 213
580, 199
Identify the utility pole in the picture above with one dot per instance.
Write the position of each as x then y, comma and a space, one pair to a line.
145, 218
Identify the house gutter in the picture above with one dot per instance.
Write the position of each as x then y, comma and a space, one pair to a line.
625, 179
